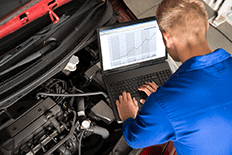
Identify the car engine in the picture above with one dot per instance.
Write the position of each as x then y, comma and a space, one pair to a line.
67, 114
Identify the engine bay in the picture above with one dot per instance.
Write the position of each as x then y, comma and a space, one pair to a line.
67, 111
64, 114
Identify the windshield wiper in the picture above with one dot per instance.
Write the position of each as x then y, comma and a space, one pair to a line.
32, 57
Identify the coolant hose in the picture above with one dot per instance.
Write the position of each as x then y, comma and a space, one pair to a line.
100, 131
80, 106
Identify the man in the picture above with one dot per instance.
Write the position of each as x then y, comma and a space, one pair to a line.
194, 107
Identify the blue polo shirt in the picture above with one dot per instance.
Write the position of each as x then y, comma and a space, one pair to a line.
193, 109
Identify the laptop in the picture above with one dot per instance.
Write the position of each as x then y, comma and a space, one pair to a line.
132, 52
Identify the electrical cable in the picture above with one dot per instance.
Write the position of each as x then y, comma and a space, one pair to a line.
58, 81
89, 79
79, 145
78, 90
221, 33
67, 137
87, 82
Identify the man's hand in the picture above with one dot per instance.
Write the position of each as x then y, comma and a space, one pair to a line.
127, 107
148, 88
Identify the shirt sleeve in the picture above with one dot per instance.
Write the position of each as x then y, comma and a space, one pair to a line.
150, 127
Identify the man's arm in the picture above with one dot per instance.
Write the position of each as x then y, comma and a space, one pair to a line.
128, 107
151, 126
148, 88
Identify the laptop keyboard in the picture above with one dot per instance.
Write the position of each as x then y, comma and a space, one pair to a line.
132, 85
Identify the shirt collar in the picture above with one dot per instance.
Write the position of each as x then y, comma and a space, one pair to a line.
210, 59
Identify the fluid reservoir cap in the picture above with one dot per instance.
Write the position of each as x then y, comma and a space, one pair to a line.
85, 124
71, 66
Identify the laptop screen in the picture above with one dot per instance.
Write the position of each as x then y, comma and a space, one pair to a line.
131, 43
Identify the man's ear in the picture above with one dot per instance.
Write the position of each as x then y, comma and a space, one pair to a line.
207, 26
167, 39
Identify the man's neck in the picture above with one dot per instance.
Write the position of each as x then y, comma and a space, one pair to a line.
191, 50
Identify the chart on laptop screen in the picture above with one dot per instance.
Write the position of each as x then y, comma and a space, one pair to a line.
129, 46
132, 46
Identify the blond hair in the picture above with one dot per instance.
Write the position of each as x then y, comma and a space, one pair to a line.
182, 17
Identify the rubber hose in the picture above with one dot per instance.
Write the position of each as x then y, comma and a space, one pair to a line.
101, 131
